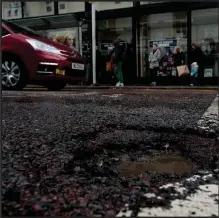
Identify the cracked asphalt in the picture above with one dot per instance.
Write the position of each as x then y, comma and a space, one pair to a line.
89, 153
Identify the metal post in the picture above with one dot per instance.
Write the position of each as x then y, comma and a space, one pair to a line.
189, 36
80, 38
94, 42
77, 40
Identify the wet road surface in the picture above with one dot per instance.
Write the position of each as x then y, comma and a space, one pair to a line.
92, 152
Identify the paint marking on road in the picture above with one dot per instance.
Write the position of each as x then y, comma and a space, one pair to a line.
201, 203
209, 122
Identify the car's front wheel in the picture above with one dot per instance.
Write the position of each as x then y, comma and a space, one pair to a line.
55, 85
13, 74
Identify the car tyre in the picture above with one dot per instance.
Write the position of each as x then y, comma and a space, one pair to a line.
55, 86
13, 74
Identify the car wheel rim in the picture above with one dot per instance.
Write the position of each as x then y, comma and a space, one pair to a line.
10, 74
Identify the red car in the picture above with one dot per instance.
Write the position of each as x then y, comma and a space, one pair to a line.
28, 58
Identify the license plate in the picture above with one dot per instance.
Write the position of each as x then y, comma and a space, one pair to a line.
76, 66
60, 72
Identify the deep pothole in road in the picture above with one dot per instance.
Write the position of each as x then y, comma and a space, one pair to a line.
137, 152
110, 169
161, 164
127, 153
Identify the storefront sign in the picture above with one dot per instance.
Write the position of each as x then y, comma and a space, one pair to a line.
208, 72
106, 46
164, 43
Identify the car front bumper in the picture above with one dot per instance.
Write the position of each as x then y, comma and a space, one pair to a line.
50, 67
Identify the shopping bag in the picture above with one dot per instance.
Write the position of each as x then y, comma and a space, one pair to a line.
183, 70
108, 66
174, 73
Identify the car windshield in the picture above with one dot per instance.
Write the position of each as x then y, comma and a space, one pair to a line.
20, 29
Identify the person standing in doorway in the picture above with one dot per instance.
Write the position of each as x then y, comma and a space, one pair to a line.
119, 56
178, 57
154, 59
198, 56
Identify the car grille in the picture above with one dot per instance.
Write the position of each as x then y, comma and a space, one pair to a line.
46, 68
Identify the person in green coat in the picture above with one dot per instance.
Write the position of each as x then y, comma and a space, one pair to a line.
119, 55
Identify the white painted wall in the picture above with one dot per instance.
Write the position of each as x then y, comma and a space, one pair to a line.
71, 7
34, 9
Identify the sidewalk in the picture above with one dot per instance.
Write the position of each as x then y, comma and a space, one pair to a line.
73, 87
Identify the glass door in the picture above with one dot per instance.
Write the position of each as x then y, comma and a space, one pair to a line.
168, 31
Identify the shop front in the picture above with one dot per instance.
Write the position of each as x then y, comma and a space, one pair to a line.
109, 32
177, 29
140, 26
205, 34
168, 31
172, 26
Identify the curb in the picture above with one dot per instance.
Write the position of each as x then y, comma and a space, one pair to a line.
133, 87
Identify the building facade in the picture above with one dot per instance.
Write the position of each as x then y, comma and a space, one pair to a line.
138, 24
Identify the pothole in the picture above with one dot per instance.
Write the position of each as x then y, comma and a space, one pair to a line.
162, 164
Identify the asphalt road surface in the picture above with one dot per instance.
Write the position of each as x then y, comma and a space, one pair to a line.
110, 153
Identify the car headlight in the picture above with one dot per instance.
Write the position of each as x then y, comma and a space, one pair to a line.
37, 45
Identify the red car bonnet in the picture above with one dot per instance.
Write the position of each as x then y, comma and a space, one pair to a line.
52, 43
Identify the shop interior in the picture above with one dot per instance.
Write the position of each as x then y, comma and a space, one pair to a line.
109, 32
168, 30
165, 27
205, 34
